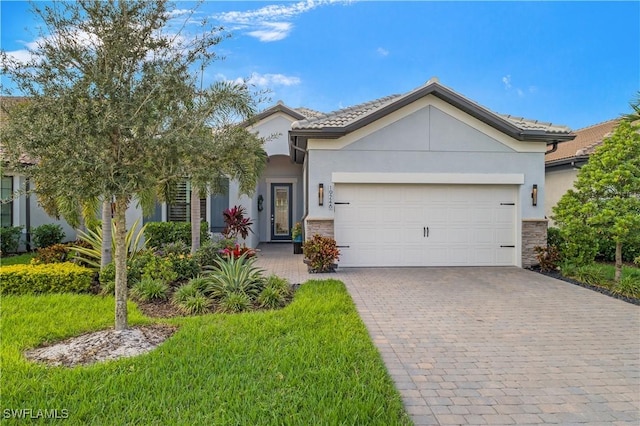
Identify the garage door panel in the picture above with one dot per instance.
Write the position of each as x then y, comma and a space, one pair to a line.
385, 225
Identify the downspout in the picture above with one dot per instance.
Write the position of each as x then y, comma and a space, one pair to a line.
27, 213
554, 149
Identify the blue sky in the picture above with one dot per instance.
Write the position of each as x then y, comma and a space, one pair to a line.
572, 63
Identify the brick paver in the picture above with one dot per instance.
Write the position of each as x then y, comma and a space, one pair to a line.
493, 345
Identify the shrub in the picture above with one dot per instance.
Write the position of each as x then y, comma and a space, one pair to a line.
235, 302
185, 266
148, 289
177, 248
548, 257
234, 275
47, 278
190, 299
159, 268
592, 274
275, 294
628, 286
607, 249
236, 223
195, 305
209, 252
93, 238
321, 253
159, 234
47, 235
56, 253
637, 261
10, 239
237, 251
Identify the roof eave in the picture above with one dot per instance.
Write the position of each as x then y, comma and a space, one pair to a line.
451, 98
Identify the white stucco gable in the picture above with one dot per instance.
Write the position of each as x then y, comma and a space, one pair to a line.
275, 129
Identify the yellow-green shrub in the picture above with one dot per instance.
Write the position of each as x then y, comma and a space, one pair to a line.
48, 278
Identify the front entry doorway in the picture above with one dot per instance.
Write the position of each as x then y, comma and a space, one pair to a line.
281, 211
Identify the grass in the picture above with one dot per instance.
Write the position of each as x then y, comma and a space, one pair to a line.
602, 275
21, 259
309, 363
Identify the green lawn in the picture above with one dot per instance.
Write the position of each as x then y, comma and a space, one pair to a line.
21, 259
309, 363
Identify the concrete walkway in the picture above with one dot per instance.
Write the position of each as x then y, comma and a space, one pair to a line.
493, 345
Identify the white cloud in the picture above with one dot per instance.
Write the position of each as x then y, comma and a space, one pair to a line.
264, 80
270, 23
382, 51
506, 80
272, 31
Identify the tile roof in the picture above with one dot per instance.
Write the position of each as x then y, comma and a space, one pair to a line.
585, 142
345, 116
309, 113
351, 115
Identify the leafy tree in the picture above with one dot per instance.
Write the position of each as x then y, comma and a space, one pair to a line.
111, 98
606, 199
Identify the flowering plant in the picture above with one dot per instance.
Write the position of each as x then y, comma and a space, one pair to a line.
237, 251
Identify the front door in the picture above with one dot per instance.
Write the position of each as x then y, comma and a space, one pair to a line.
281, 214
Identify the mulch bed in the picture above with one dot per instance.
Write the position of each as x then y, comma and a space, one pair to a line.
558, 275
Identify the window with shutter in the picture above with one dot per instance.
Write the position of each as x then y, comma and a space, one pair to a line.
179, 210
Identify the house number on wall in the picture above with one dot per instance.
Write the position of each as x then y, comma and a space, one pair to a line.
331, 197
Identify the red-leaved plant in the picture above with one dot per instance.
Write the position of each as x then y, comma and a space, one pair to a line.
236, 223
321, 253
237, 251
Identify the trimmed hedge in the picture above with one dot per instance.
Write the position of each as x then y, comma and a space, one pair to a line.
49, 278
158, 234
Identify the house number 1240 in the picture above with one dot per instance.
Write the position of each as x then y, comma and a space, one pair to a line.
331, 197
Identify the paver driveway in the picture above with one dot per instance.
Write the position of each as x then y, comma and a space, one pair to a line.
495, 345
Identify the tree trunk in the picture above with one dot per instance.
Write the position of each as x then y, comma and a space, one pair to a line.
195, 219
121, 263
106, 255
618, 273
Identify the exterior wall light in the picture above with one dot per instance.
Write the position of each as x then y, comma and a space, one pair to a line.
534, 195
321, 194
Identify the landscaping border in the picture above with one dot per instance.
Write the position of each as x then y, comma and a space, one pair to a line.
557, 275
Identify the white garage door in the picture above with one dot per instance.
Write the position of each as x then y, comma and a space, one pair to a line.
425, 225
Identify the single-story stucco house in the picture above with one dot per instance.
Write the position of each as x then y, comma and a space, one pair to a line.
562, 165
425, 178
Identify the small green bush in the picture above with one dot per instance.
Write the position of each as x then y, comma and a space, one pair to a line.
189, 299
235, 275
275, 294
148, 289
185, 266
234, 302
209, 252
56, 253
47, 235
628, 286
10, 239
554, 237
637, 261
592, 274
159, 268
177, 248
159, 234
47, 278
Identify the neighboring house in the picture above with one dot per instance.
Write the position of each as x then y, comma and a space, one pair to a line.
562, 165
427, 178
24, 210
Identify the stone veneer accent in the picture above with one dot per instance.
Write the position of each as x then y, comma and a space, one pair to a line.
323, 227
534, 233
